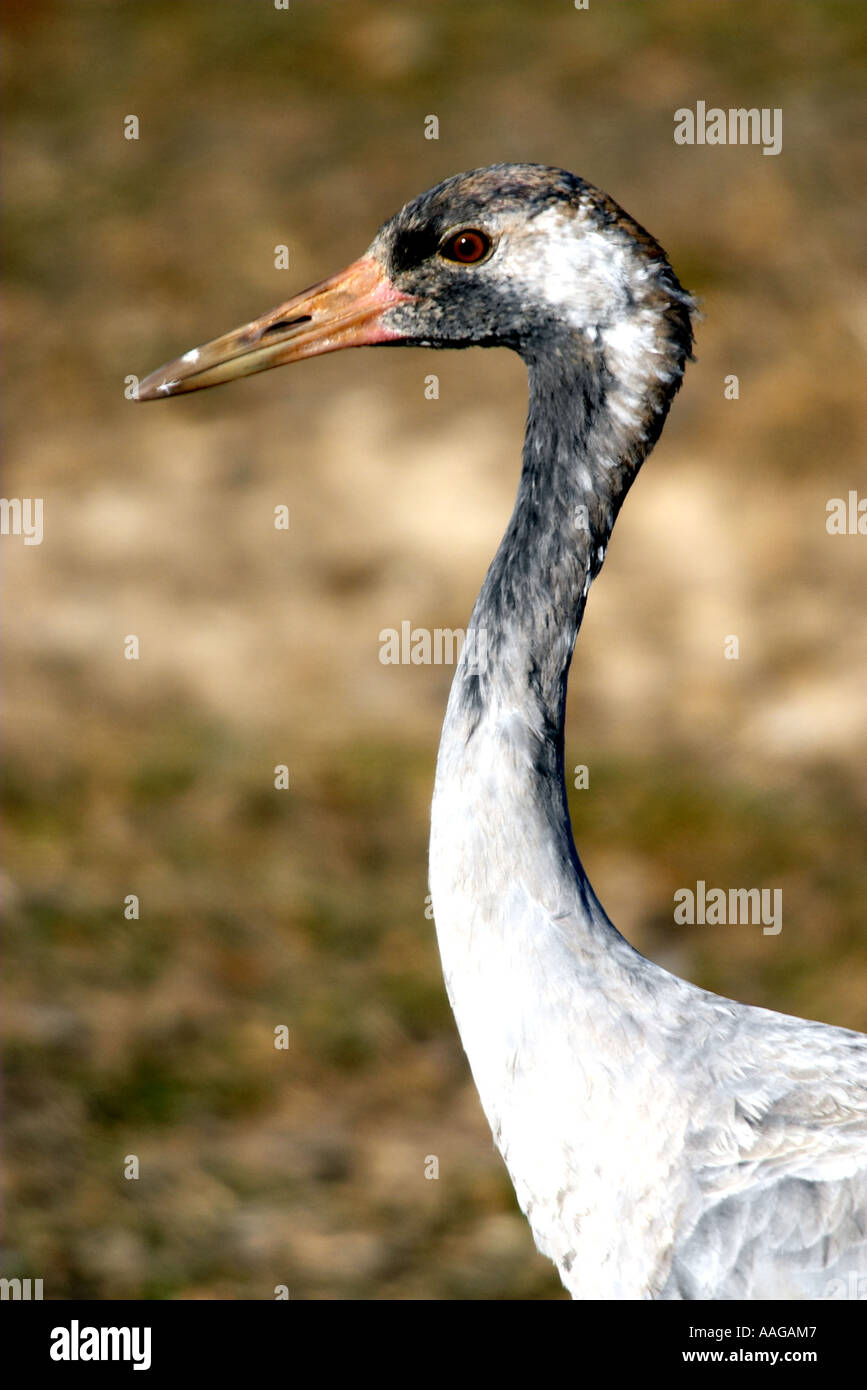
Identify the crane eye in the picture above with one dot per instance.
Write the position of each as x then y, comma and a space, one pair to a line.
468, 247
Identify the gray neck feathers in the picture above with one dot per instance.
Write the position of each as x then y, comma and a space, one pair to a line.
595, 411
596, 407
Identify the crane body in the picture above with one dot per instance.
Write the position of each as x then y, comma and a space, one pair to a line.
663, 1142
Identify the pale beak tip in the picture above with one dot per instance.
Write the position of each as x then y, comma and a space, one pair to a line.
160, 383
343, 311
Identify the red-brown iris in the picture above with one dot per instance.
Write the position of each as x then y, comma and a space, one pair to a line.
467, 246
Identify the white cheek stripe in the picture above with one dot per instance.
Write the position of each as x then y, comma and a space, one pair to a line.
600, 289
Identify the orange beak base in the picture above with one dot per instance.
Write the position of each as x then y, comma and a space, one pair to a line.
344, 311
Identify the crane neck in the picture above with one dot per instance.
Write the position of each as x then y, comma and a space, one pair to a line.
544, 989
595, 411
587, 435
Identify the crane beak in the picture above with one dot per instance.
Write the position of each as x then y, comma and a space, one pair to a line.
344, 311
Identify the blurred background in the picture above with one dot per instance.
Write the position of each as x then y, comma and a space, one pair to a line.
154, 1037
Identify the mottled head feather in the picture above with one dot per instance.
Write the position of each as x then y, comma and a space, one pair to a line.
569, 271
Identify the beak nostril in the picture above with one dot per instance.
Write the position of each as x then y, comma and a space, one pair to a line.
285, 323
344, 311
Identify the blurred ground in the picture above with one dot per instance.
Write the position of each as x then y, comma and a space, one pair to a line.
306, 908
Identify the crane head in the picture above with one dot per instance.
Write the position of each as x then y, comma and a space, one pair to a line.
514, 255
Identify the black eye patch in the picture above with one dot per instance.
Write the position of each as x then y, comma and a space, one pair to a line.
413, 246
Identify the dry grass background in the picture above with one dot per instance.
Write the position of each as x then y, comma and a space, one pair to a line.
154, 777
